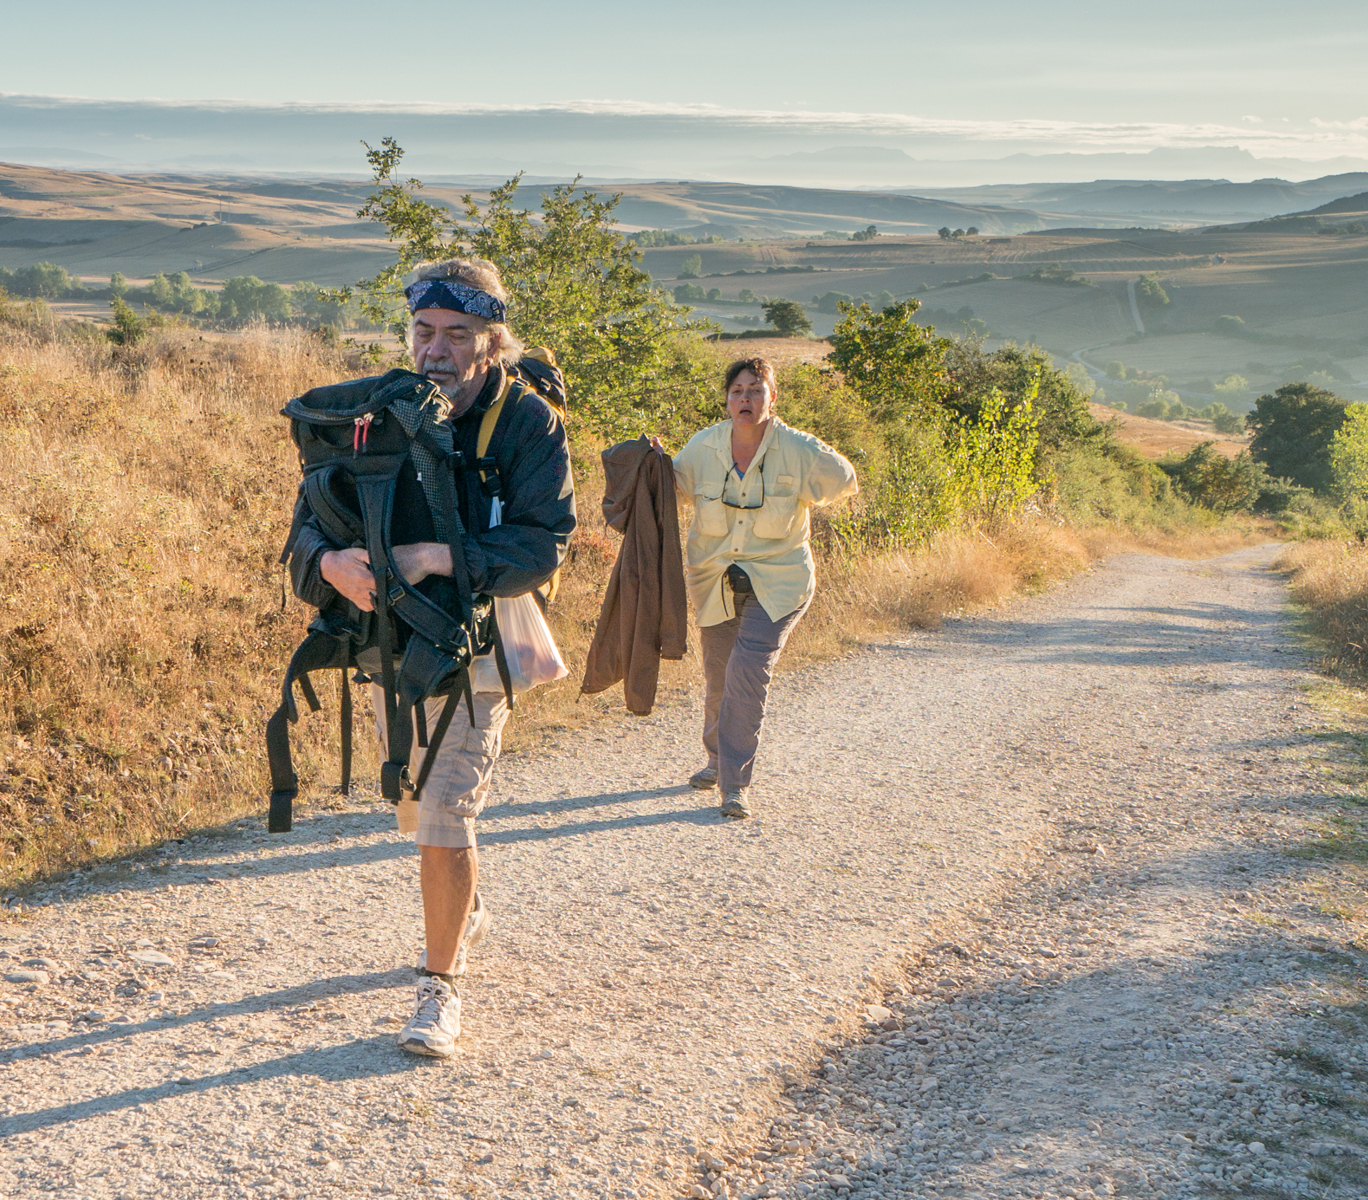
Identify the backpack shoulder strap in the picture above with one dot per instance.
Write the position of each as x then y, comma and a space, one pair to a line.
485, 462
489, 421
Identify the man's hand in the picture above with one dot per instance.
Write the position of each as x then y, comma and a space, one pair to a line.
421, 559
349, 571
657, 444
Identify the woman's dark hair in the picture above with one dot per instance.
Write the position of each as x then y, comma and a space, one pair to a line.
761, 368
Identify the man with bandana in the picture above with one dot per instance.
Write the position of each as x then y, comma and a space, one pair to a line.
460, 340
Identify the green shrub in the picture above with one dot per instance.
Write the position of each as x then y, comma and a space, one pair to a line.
1224, 485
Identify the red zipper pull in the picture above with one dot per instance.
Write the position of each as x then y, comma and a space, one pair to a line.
361, 432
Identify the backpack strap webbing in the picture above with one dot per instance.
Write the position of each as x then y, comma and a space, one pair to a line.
318, 651
486, 463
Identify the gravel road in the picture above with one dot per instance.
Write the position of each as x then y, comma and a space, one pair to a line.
1020, 915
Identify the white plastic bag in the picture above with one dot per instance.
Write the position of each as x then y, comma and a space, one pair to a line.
528, 645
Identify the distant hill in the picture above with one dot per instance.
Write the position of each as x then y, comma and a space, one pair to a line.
1157, 202
1345, 204
94, 223
751, 210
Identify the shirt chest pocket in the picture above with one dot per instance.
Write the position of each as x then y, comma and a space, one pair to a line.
710, 514
776, 517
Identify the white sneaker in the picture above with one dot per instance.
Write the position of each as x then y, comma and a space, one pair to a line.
476, 927
436, 1021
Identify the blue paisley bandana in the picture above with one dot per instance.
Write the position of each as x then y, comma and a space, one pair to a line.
458, 297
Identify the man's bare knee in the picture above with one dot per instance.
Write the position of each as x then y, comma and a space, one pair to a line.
450, 856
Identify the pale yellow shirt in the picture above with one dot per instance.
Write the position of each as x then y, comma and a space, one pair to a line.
793, 472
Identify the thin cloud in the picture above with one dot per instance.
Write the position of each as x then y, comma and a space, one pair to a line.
1317, 139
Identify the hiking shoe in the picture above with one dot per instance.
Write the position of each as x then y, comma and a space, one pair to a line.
736, 804
704, 780
476, 927
436, 1021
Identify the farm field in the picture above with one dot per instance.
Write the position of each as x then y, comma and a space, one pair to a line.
1300, 294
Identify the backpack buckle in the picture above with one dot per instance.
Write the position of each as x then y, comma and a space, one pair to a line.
489, 475
394, 779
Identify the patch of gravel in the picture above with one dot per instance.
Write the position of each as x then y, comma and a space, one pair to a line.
1019, 838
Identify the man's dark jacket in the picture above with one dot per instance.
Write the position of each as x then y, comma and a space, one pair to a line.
519, 554
645, 614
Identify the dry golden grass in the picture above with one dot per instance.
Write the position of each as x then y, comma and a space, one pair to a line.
142, 637
1155, 439
141, 630
1330, 577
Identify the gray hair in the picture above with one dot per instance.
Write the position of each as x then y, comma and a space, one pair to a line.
477, 273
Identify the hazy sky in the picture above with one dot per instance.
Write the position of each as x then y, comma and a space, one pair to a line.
1278, 79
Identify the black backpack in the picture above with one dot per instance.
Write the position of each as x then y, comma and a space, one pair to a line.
354, 439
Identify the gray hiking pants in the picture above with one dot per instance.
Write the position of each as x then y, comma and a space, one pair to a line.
738, 661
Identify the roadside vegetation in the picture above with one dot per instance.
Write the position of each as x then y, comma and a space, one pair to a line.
143, 623
1319, 442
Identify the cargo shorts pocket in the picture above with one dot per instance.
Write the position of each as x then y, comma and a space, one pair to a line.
483, 741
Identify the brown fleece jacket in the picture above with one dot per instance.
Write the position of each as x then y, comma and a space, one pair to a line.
645, 614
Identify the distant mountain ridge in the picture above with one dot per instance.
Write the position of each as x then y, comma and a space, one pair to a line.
1195, 201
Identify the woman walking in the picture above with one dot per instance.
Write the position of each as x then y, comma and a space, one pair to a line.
749, 569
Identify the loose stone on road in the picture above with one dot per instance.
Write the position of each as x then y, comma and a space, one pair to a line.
981, 925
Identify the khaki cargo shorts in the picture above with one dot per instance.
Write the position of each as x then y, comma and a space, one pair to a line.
458, 786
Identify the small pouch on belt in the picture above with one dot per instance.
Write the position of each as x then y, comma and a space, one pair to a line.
739, 580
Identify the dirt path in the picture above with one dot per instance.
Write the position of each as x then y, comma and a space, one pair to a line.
660, 987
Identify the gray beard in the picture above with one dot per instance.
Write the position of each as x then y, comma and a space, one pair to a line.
466, 394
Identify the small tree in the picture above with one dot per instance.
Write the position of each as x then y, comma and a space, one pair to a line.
972, 231
746, 296
118, 285
1115, 370
993, 458
1230, 326
129, 328
1293, 429
1149, 293
575, 286
944, 233
714, 293
788, 317
895, 365
1349, 455
691, 267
